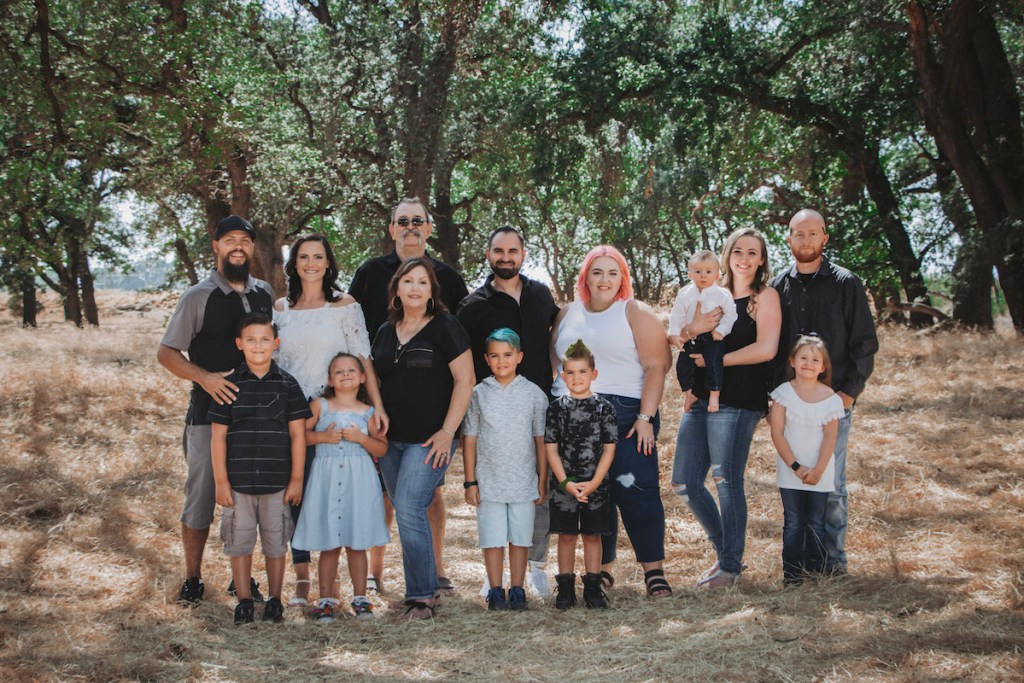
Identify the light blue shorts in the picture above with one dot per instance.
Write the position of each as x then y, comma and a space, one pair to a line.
499, 524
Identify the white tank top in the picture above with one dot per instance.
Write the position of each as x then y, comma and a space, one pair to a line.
609, 337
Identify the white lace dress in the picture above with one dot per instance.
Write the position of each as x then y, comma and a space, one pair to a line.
310, 337
804, 431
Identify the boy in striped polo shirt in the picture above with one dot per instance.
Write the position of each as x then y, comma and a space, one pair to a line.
258, 446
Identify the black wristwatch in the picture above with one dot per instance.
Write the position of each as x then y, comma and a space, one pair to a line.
469, 484
795, 466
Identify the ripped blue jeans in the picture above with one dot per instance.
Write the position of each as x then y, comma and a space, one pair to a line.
634, 489
719, 443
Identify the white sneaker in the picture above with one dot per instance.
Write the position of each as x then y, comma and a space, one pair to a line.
537, 581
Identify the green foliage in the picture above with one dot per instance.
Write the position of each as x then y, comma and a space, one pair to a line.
655, 126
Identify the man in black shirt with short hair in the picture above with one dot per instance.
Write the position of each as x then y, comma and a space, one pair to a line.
820, 297
509, 299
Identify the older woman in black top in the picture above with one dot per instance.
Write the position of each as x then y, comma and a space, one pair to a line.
423, 361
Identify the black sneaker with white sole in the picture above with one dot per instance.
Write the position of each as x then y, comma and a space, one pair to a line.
273, 611
244, 612
254, 590
191, 593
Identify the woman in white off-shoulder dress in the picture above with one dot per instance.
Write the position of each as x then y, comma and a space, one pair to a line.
316, 321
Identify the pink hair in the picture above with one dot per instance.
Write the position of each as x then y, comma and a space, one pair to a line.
625, 290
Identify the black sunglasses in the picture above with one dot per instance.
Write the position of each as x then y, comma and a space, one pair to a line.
404, 222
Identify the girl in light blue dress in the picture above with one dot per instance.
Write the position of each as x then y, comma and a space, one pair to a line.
343, 505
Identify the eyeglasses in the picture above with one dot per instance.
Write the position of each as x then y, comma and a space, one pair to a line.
404, 222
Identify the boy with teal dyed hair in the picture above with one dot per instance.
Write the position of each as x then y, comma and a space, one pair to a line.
505, 465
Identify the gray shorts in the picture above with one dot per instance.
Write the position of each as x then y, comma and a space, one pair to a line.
268, 513
200, 491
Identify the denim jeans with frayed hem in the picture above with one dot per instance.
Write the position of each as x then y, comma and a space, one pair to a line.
635, 489
837, 511
803, 533
411, 483
719, 443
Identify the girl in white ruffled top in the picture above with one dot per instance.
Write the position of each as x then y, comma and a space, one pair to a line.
316, 321
804, 421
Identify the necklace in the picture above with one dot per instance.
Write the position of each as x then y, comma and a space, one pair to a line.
400, 346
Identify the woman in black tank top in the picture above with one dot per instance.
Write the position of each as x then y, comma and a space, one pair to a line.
720, 442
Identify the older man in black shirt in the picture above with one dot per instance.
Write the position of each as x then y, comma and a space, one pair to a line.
509, 299
410, 228
822, 298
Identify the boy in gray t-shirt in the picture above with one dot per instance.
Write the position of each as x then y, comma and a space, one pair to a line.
505, 464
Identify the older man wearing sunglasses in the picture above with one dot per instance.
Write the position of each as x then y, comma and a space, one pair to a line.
410, 228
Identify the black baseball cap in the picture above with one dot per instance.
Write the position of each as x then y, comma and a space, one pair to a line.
231, 223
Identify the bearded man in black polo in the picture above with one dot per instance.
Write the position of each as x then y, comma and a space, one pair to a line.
204, 326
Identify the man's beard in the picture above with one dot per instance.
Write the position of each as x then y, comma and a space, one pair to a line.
804, 256
238, 273
506, 272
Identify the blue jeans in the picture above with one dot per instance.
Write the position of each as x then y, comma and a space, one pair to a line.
719, 442
410, 484
837, 511
803, 533
634, 490
302, 556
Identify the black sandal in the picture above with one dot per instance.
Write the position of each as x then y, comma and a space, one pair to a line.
414, 605
607, 580
657, 586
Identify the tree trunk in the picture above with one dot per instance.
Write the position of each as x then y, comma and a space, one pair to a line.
446, 234
29, 303
971, 107
78, 230
908, 265
72, 302
972, 271
89, 307
185, 259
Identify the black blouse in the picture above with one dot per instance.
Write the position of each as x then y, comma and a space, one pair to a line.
415, 381
743, 386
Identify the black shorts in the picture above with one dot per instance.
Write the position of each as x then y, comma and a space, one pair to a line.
569, 516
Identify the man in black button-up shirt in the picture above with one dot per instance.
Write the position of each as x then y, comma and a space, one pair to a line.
820, 297
410, 228
509, 299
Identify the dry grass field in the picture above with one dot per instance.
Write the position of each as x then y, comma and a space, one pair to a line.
90, 559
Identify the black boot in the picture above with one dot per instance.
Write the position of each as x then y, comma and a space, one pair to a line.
593, 593
566, 597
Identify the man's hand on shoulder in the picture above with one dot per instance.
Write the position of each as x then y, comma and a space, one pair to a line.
215, 384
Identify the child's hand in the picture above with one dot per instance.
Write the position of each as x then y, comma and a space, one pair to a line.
352, 433
810, 476
332, 435
224, 496
675, 340
293, 494
716, 335
542, 494
473, 496
688, 400
578, 490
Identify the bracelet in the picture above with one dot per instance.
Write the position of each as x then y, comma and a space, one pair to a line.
469, 484
451, 434
565, 481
